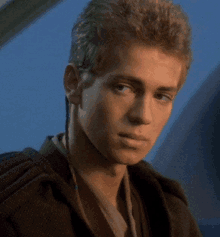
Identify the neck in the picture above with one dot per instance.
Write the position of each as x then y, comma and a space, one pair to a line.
95, 168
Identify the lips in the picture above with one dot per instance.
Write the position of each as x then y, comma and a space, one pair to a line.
133, 143
133, 136
133, 140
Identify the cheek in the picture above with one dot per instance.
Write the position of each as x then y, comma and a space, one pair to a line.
104, 125
163, 120
97, 122
112, 112
160, 121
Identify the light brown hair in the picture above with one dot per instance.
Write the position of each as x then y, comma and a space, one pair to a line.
106, 28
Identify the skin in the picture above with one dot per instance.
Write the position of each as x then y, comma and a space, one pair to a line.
107, 108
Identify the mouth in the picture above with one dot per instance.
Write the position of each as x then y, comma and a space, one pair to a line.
134, 136
132, 142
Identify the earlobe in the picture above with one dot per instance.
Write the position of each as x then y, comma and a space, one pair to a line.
73, 97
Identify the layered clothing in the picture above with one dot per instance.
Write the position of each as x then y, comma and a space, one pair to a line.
41, 194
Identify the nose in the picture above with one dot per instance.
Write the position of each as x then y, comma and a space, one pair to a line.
141, 111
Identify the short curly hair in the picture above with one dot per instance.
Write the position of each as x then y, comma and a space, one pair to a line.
105, 28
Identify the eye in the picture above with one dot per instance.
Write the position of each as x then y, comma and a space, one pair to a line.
121, 87
167, 98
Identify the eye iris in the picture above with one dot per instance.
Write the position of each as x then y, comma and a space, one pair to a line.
120, 87
166, 97
160, 96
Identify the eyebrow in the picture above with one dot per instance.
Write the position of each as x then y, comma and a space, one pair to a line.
138, 81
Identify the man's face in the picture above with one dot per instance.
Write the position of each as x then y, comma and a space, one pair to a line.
115, 105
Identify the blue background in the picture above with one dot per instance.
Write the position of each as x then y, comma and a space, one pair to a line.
32, 66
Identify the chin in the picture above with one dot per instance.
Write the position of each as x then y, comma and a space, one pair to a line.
128, 157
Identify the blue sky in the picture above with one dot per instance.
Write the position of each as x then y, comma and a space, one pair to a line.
32, 67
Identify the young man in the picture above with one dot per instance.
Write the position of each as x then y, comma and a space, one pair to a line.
129, 62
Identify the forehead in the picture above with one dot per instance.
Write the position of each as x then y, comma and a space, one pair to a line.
138, 54
151, 65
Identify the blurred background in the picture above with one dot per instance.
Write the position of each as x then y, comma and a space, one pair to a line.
34, 50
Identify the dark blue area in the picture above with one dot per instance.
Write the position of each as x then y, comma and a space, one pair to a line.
210, 230
190, 153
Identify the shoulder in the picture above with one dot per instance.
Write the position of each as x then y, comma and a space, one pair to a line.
14, 161
27, 152
145, 171
21, 177
31, 193
9, 161
8, 155
176, 202
168, 185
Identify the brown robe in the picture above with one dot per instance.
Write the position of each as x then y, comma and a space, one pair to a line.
39, 197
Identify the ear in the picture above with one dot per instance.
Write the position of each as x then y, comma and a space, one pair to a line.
71, 84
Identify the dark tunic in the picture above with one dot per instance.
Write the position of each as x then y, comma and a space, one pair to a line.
39, 197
